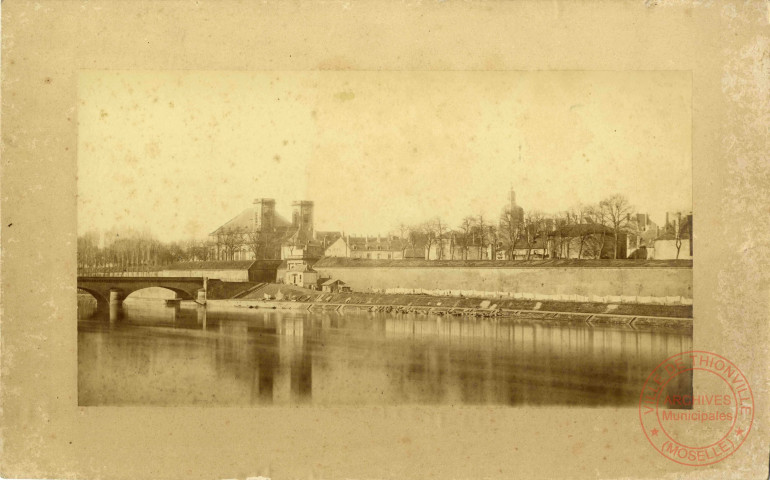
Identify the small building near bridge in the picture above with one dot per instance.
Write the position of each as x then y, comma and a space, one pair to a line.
227, 271
334, 286
301, 275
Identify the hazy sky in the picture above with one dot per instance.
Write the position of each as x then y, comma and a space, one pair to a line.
180, 153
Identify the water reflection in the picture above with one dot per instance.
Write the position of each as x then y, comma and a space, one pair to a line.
157, 355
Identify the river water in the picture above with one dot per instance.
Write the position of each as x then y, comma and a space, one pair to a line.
172, 356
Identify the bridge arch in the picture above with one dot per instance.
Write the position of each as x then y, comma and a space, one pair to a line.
102, 301
112, 290
184, 294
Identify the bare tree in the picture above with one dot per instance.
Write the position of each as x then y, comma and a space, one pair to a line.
260, 243
428, 230
88, 252
534, 228
683, 228
466, 227
256, 243
678, 244
481, 228
414, 237
585, 234
510, 230
230, 240
597, 215
493, 234
578, 226
556, 238
618, 211
403, 231
441, 230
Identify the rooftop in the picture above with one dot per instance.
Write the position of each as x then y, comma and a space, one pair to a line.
245, 220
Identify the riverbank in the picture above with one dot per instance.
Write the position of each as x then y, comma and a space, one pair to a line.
289, 293
286, 297
491, 312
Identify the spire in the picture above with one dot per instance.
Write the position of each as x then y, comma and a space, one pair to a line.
512, 195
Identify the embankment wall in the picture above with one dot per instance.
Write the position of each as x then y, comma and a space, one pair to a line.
583, 281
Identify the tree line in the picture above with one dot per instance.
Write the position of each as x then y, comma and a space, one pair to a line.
482, 237
142, 251
475, 236
136, 253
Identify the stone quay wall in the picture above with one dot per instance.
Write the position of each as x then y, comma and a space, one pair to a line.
613, 284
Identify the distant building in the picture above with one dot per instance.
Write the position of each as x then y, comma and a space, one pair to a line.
665, 249
300, 273
302, 220
339, 248
334, 286
373, 248
641, 236
676, 221
675, 242
293, 248
586, 240
537, 250
516, 212
261, 232
326, 239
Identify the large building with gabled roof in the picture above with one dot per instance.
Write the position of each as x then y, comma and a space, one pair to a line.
260, 232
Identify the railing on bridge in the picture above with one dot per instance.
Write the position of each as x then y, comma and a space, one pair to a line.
85, 273
121, 271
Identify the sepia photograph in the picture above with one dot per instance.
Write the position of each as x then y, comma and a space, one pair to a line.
382, 238
366, 240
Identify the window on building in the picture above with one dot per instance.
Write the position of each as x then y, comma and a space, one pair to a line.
368, 255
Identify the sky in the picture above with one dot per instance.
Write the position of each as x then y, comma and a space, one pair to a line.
180, 153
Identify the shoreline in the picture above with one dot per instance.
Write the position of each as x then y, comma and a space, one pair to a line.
594, 314
497, 314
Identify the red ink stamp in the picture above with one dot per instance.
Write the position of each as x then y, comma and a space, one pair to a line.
696, 426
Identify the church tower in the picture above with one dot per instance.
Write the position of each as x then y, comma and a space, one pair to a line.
302, 219
517, 211
264, 214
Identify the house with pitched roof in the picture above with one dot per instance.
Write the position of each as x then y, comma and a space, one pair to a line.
374, 248
301, 275
537, 250
676, 241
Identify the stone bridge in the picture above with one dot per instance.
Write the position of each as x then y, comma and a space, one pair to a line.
112, 290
